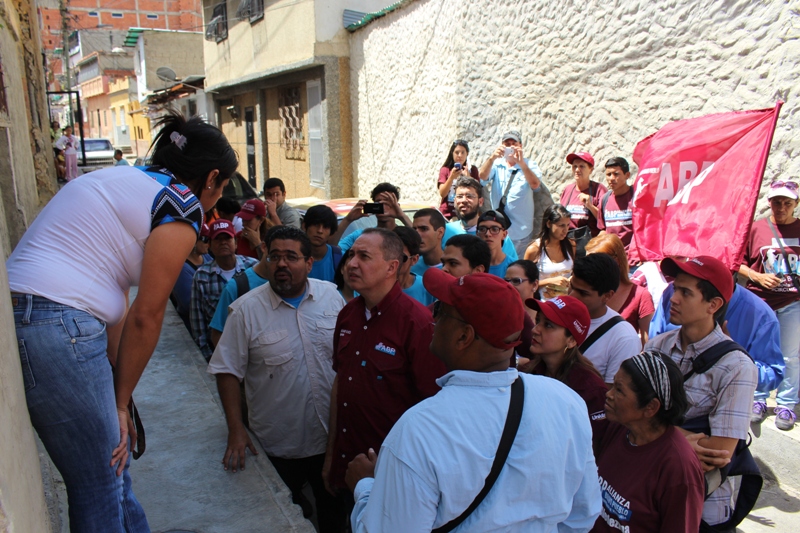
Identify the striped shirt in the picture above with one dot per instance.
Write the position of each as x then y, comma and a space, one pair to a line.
724, 393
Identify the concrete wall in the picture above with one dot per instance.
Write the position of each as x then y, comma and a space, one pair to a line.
180, 51
590, 75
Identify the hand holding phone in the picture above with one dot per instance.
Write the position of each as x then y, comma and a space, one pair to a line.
373, 208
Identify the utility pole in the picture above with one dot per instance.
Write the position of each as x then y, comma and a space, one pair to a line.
62, 7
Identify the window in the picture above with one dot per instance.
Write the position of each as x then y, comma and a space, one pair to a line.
116, 15
93, 13
105, 118
192, 108
217, 29
152, 17
252, 9
291, 123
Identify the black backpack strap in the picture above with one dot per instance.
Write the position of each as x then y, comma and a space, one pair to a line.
242, 283
707, 359
599, 332
506, 441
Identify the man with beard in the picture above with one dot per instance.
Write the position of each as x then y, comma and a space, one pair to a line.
468, 203
287, 370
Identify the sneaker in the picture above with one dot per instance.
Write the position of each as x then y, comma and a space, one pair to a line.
784, 418
759, 412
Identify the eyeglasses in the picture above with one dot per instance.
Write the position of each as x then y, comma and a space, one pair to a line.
438, 313
517, 281
494, 230
204, 239
467, 196
792, 186
289, 258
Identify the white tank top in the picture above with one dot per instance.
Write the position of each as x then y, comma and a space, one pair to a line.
549, 269
85, 248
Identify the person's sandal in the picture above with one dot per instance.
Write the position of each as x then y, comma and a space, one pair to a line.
784, 418
759, 412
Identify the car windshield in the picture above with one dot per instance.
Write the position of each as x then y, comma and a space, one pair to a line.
97, 145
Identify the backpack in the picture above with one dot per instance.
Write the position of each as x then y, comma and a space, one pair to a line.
242, 283
742, 462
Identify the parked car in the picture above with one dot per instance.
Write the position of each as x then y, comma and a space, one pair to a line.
99, 153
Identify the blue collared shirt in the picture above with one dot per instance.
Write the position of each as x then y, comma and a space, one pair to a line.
437, 456
751, 323
418, 292
519, 203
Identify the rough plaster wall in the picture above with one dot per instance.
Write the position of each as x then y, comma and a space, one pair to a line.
182, 52
589, 75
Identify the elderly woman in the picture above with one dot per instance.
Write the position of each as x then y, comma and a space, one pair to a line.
773, 276
650, 478
582, 197
69, 278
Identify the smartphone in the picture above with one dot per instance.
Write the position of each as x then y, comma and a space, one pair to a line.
457, 166
509, 151
373, 208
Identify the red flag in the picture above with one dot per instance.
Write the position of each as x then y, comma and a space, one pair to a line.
698, 184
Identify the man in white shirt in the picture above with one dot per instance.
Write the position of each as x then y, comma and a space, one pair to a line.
436, 458
279, 339
507, 170
594, 280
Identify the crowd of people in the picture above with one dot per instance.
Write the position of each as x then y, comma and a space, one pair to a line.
495, 364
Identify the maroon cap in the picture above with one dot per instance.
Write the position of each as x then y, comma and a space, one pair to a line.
486, 302
252, 208
704, 267
567, 312
205, 231
586, 156
221, 226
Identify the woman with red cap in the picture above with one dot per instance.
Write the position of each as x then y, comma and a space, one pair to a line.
583, 196
562, 324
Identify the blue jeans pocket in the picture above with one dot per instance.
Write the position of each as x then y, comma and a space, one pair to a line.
87, 335
27, 373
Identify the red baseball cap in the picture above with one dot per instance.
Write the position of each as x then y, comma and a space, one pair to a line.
205, 231
586, 156
703, 267
252, 208
221, 226
567, 312
486, 302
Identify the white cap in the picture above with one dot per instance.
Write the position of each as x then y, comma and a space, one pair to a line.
780, 188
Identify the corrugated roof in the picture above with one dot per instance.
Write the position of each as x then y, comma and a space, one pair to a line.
132, 37
369, 17
350, 17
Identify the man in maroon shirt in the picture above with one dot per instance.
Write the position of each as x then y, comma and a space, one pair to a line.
615, 214
381, 354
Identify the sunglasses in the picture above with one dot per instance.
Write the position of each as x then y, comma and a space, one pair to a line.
204, 239
792, 186
517, 281
461, 142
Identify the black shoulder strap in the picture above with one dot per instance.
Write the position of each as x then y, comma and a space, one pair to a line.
242, 283
604, 202
707, 359
506, 440
599, 332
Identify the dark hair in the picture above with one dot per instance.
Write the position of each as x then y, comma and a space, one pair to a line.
620, 162
117, 152
529, 267
410, 238
600, 271
391, 245
338, 277
288, 233
321, 215
384, 187
204, 149
472, 183
709, 292
437, 219
449, 162
612, 246
673, 416
474, 250
494, 216
553, 214
271, 183
228, 205
573, 357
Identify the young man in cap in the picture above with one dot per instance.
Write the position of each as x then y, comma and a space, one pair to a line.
724, 393
430, 224
611, 340
286, 366
615, 214
211, 278
280, 213
440, 452
493, 230
252, 215
514, 178
582, 196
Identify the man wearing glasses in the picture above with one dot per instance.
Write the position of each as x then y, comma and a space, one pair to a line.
493, 230
278, 339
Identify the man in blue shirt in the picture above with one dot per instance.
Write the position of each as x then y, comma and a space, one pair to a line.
753, 325
436, 458
383, 193
410, 282
507, 170
319, 223
430, 224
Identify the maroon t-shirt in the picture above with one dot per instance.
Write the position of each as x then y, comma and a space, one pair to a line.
243, 247
384, 366
657, 487
638, 304
763, 254
447, 208
592, 389
617, 218
579, 215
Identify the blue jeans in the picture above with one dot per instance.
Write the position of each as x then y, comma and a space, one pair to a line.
789, 320
69, 389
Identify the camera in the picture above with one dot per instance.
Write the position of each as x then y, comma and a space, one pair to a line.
457, 166
373, 208
508, 151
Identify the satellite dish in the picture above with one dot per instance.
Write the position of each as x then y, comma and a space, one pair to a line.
166, 74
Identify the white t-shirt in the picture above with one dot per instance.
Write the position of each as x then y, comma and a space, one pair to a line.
85, 248
617, 344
